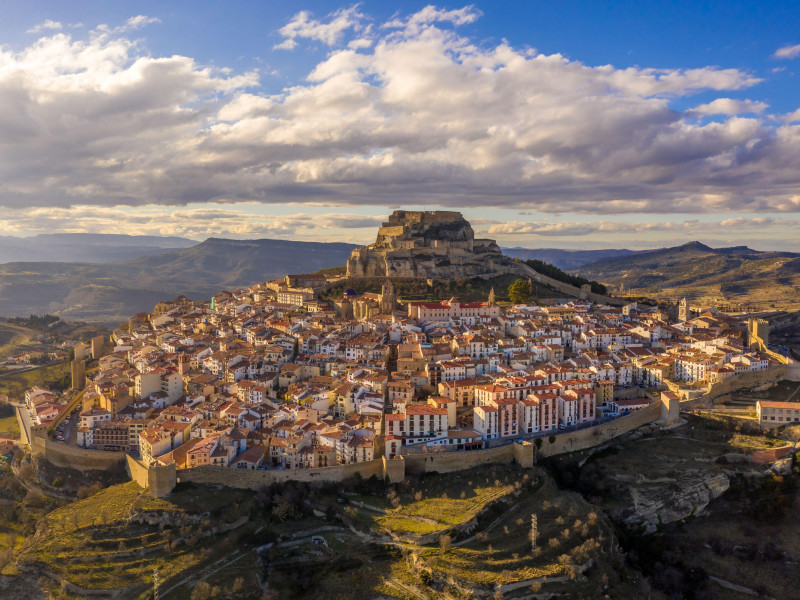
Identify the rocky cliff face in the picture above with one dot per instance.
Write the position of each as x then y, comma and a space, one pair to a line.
655, 503
425, 244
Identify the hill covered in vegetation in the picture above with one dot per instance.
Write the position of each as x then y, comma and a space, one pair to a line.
715, 275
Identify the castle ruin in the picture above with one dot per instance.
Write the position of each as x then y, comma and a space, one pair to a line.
427, 244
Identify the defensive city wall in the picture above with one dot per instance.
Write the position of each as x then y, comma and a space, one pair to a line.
583, 292
161, 479
62, 455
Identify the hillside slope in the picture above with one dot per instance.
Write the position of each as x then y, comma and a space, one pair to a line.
567, 259
724, 275
111, 292
85, 247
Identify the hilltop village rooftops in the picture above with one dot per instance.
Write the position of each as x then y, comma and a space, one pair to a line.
248, 382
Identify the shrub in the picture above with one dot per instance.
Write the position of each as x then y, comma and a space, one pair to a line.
424, 576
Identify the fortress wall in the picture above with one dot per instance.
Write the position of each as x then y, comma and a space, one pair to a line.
390, 231
254, 479
62, 455
138, 471
565, 288
773, 374
396, 469
424, 216
447, 462
594, 436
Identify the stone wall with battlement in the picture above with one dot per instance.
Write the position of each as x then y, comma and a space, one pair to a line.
400, 217
524, 453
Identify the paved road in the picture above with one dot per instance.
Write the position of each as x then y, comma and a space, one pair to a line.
71, 429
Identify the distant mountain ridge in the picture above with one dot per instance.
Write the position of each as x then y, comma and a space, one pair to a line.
112, 292
567, 259
735, 274
85, 247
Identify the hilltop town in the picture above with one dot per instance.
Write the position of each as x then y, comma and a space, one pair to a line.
307, 419
269, 377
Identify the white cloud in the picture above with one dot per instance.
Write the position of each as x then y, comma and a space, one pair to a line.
793, 117
47, 25
432, 14
287, 44
303, 25
140, 21
131, 24
359, 43
196, 223
729, 106
690, 228
421, 115
787, 52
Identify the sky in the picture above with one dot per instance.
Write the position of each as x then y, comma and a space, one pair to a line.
571, 124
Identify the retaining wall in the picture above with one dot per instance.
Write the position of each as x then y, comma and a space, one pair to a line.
447, 462
566, 288
594, 436
254, 479
440, 462
62, 455
138, 472
745, 380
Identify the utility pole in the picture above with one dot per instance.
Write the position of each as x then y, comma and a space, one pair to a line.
534, 530
155, 584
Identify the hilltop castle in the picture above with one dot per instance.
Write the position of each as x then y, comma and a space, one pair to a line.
429, 244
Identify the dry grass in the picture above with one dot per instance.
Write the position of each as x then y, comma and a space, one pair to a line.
10, 426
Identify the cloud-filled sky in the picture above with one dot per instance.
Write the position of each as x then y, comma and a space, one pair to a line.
574, 125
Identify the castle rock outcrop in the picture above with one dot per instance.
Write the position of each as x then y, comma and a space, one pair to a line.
429, 244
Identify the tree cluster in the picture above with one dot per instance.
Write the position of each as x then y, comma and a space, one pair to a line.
34, 321
556, 273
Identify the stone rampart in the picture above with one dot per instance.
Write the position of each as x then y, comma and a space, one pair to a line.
565, 288
81, 459
447, 462
161, 479
772, 374
254, 479
394, 469
600, 434
138, 471
523, 452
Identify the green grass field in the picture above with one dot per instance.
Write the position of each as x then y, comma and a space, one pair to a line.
12, 336
9, 425
436, 513
14, 386
94, 545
